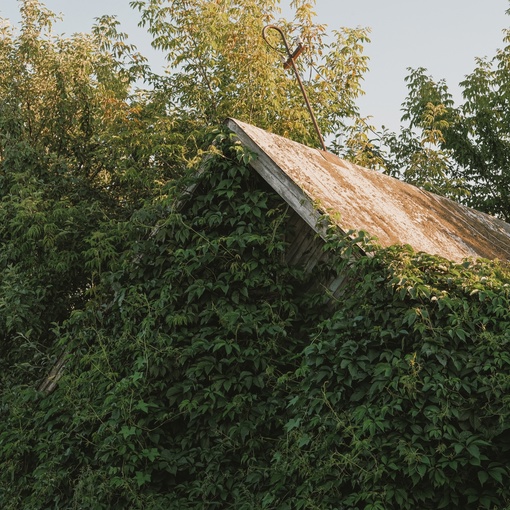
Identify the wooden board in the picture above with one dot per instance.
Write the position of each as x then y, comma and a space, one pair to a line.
314, 182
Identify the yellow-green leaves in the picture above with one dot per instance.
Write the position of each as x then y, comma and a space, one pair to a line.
220, 66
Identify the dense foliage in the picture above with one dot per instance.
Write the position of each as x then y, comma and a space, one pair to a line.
169, 398
201, 370
82, 148
402, 398
205, 372
77, 155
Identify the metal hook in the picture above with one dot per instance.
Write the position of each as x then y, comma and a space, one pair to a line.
291, 56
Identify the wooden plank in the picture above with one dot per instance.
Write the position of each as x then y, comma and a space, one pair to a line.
279, 180
314, 182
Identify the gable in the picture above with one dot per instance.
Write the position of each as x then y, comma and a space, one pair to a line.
314, 182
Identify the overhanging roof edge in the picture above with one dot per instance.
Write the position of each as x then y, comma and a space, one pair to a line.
394, 212
264, 165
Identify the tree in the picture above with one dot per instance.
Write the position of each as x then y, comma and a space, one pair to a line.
219, 66
77, 156
462, 151
417, 154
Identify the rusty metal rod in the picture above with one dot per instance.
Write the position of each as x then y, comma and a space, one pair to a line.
290, 63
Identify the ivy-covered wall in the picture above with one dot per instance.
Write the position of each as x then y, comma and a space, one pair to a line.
204, 372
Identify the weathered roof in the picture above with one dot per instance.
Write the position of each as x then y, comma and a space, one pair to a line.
313, 182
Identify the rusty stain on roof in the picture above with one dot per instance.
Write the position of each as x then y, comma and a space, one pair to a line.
393, 211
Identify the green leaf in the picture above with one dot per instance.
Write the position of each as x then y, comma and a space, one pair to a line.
474, 450
483, 476
498, 473
127, 431
142, 478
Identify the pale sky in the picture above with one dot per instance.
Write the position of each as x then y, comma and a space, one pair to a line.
443, 36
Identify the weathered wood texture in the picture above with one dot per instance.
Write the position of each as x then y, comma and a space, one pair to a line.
314, 182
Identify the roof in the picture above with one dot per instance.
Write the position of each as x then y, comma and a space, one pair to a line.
314, 182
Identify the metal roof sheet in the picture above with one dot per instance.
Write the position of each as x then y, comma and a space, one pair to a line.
313, 182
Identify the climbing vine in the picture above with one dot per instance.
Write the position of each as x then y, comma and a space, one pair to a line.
403, 392
204, 372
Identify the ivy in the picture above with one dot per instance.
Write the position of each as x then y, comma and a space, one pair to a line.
203, 371
402, 401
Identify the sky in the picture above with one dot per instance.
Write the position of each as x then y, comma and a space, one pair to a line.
443, 36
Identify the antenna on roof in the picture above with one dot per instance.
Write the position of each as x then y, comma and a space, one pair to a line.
291, 56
